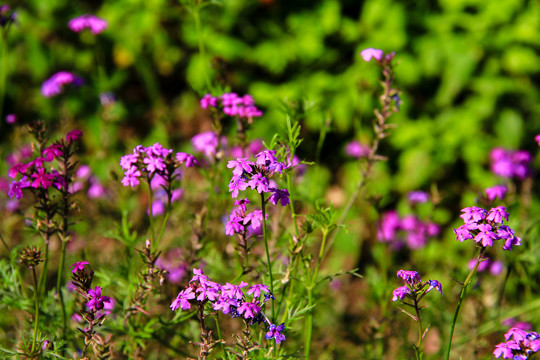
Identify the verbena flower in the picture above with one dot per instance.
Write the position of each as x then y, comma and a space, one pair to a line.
486, 227
79, 266
87, 21
356, 149
371, 53
232, 105
494, 192
509, 163
519, 344
275, 332
415, 197
54, 85
229, 299
414, 288
409, 230
96, 301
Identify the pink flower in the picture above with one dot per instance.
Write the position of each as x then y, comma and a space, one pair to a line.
53, 86
537, 139
370, 53
88, 21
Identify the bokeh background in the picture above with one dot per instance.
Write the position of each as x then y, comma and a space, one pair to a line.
469, 74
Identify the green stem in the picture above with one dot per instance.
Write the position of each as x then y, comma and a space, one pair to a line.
291, 203
43, 276
59, 286
269, 261
3, 72
461, 297
36, 316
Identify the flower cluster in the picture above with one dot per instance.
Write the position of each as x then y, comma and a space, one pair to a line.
54, 85
244, 223
356, 149
34, 173
256, 175
510, 164
153, 161
485, 227
88, 21
409, 230
414, 288
377, 54
417, 197
519, 344
494, 192
229, 299
232, 105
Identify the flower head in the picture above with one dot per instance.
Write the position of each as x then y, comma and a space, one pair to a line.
371, 53
79, 266
87, 21
53, 86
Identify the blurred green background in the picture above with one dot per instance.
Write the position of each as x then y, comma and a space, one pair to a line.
468, 70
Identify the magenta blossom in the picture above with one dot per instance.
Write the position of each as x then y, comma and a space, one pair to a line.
371, 53
53, 86
87, 21
79, 266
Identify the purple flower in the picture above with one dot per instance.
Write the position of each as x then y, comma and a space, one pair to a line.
400, 293
51, 152
415, 197
42, 178
15, 188
88, 21
11, 118
506, 350
485, 235
256, 290
249, 310
497, 191
208, 291
496, 214
356, 149
206, 142
237, 184
473, 214
275, 332
131, 177
224, 304
279, 195
509, 163
410, 277
234, 291
388, 226
537, 139
73, 135
259, 182
434, 284
79, 266
234, 225
186, 159
96, 300
199, 276
240, 165
208, 100
128, 160
154, 163
18, 169
370, 53
53, 86
266, 157
182, 300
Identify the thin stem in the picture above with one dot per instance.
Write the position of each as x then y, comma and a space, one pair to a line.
36, 316
59, 286
461, 297
313, 281
263, 206
419, 320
